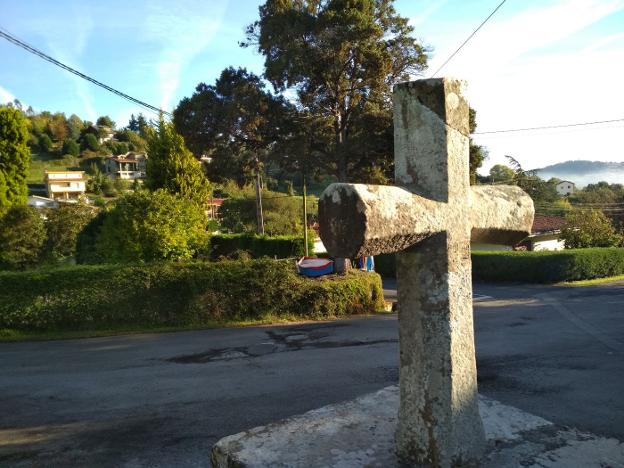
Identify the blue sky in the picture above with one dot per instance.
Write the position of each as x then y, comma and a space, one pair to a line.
535, 63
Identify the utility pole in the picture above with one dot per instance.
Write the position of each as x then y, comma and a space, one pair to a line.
305, 216
259, 216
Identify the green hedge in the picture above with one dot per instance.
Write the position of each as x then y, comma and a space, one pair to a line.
534, 267
546, 266
224, 245
91, 297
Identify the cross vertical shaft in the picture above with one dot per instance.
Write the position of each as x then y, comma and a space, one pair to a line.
439, 422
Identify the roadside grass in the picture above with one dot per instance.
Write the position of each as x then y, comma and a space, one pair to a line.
592, 282
16, 336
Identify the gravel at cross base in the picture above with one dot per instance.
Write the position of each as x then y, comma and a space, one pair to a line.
165, 399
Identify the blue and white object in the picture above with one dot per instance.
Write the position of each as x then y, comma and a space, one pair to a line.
313, 267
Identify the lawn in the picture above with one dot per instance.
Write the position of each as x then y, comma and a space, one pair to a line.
41, 162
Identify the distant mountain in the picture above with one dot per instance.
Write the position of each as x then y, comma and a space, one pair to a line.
585, 172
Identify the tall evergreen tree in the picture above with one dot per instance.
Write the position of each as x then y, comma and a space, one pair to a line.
14, 158
171, 166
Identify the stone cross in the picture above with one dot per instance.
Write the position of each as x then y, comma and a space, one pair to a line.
430, 218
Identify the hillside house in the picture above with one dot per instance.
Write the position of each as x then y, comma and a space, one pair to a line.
104, 134
565, 188
126, 166
65, 185
214, 204
545, 233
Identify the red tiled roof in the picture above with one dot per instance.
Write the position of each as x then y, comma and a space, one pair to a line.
216, 201
543, 223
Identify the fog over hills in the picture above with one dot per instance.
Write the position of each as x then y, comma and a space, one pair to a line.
585, 172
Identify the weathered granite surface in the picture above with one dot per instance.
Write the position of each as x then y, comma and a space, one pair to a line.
360, 433
361, 219
430, 220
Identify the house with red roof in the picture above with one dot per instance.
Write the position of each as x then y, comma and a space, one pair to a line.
545, 233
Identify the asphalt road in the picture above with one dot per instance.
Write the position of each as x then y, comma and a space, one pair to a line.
163, 400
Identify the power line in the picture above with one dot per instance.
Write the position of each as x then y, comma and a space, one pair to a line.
548, 127
14, 40
468, 38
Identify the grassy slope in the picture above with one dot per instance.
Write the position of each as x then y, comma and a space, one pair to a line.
40, 162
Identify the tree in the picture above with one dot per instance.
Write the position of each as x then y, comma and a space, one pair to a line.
342, 58
171, 166
45, 143
14, 158
133, 124
63, 225
146, 226
96, 182
90, 142
75, 126
105, 121
540, 191
117, 147
477, 153
22, 234
86, 240
589, 228
138, 124
499, 173
57, 127
70, 146
282, 214
236, 121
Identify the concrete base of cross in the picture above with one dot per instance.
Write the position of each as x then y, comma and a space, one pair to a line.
361, 433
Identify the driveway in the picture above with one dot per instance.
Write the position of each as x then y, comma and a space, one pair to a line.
163, 400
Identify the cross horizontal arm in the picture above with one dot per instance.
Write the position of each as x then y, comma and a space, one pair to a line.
500, 214
358, 219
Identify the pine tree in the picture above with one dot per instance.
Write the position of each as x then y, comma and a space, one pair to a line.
171, 166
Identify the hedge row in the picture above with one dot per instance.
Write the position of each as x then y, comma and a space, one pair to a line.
224, 245
176, 294
547, 266
534, 267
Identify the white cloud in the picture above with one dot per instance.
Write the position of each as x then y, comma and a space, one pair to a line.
67, 41
522, 73
182, 34
429, 9
5, 96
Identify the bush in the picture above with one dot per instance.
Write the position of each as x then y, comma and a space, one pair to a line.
177, 294
70, 146
63, 225
22, 234
224, 245
589, 228
546, 266
45, 143
146, 226
534, 267
283, 214
90, 142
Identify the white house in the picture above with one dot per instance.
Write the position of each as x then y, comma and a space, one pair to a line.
65, 185
105, 134
565, 188
545, 233
126, 166
544, 236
